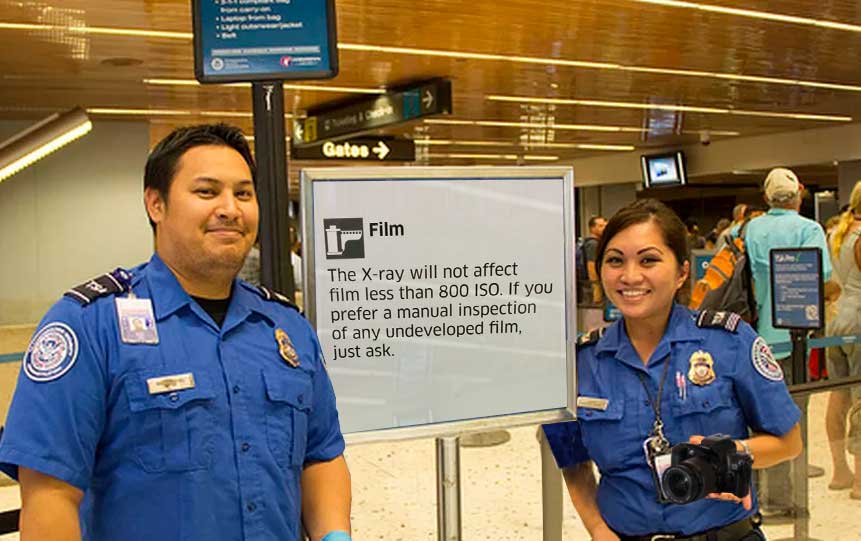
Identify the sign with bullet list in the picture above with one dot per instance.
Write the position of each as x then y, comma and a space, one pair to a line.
443, 297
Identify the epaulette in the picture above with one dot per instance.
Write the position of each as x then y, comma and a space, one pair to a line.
590, 338
111, 283
270, 295
718, 320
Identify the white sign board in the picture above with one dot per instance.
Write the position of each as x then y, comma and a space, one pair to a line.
443, 297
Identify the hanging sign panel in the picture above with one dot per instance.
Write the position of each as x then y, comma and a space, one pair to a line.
798, 296
238, 40
443, 297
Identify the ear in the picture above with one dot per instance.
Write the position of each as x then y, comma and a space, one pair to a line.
155, 205
685, 271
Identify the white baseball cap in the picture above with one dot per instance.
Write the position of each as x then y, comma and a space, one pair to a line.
781, 183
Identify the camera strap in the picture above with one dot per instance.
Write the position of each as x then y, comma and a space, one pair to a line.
657, 443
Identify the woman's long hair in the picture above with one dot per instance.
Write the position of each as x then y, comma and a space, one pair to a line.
846, 219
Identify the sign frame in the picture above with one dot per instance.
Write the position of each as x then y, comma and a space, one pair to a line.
457, 427
821, 292
199, 72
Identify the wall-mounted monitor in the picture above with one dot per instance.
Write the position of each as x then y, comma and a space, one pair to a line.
664, 170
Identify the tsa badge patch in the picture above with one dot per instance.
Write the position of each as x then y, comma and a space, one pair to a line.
763, 361
702, 370
51, 353
286, 349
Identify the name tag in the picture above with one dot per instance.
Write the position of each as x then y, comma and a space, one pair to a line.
592, 403
167, 384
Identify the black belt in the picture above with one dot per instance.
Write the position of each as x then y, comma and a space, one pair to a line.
730, 532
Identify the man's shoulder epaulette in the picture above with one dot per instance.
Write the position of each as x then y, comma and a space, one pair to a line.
591, 338
111, 283
714, 319
271, 295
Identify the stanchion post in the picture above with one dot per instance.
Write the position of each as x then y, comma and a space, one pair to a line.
551, 492
448, 489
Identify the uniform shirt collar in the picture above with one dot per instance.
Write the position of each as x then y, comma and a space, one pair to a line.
774, 211
681, 327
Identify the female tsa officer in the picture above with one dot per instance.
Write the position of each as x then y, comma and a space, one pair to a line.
664, 375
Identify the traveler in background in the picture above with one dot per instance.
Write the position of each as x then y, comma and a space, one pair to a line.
695, 240
845, 360
589, 248
174, 401
722, 226
780, 227
737, 218
720, 378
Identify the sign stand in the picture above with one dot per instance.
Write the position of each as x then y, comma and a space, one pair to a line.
448, 489
552, 502
276, 269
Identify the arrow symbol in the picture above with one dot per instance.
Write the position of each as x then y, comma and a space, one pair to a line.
297, 131
428, 99
381, 150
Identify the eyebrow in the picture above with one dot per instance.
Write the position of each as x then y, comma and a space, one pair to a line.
211, 180
646, 249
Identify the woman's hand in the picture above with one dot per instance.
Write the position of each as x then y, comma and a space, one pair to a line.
602, 532
746, 502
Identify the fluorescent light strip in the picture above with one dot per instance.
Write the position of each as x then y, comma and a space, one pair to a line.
533, 125
667, 107
43, 151
187, 36
310, 88
754, 14
513, 157
583, 146
170, 112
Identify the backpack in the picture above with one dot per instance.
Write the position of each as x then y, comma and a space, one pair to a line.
727, 284
581, 271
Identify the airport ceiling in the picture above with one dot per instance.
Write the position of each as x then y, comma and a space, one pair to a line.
564, 78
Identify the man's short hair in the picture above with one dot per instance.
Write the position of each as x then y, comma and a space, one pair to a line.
593, 221
738, 212
164, 157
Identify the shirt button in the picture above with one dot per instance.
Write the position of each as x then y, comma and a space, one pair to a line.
250, 507
645, 402
236, 389
706, 404
174, 397
300, 398
245, 447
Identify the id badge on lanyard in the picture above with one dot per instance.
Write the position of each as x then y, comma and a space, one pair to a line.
656, 447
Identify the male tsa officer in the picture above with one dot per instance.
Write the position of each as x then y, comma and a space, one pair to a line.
173, 401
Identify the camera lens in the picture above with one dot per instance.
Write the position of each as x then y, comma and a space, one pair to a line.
681, 484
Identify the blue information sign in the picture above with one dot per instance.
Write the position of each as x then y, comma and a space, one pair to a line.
611, 313
797, 300
256, 40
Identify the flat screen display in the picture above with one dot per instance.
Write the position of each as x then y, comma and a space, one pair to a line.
664, 170
237, 40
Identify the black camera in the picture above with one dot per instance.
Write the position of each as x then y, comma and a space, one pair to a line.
712, 466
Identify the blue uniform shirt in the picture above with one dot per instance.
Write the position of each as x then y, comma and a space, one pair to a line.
219, 460
747, 392
780, 228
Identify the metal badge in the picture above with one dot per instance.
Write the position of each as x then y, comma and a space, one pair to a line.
702, 370
167, 384
285, 348
137, 322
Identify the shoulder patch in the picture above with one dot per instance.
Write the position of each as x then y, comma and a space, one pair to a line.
763, 360
110, 283
728, 321
52, 352
271, 295
591, 338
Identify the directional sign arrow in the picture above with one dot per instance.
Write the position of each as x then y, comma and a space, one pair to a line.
428, 99
381, 150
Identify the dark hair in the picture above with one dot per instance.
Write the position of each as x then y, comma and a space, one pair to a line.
644, 210
753, 208
594, 220
164, 157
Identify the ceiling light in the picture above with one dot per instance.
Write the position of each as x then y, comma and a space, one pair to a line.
307, 88
513, 157
533, 125
170, 112
446, 142
582, 146
754, 14
42, 139
668, 107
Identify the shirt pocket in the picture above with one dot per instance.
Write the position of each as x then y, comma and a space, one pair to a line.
707, 410
173, 431
289, 396
611, 436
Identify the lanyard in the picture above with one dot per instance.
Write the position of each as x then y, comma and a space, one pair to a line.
658, 428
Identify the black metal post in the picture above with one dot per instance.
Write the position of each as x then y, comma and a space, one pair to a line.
276, 270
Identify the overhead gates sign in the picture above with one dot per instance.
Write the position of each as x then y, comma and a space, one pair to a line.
442, 296
366, 149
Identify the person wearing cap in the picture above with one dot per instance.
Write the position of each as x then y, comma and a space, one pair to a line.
781, 227
174, 401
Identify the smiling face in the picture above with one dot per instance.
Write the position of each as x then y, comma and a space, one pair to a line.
209, 221
640, 273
